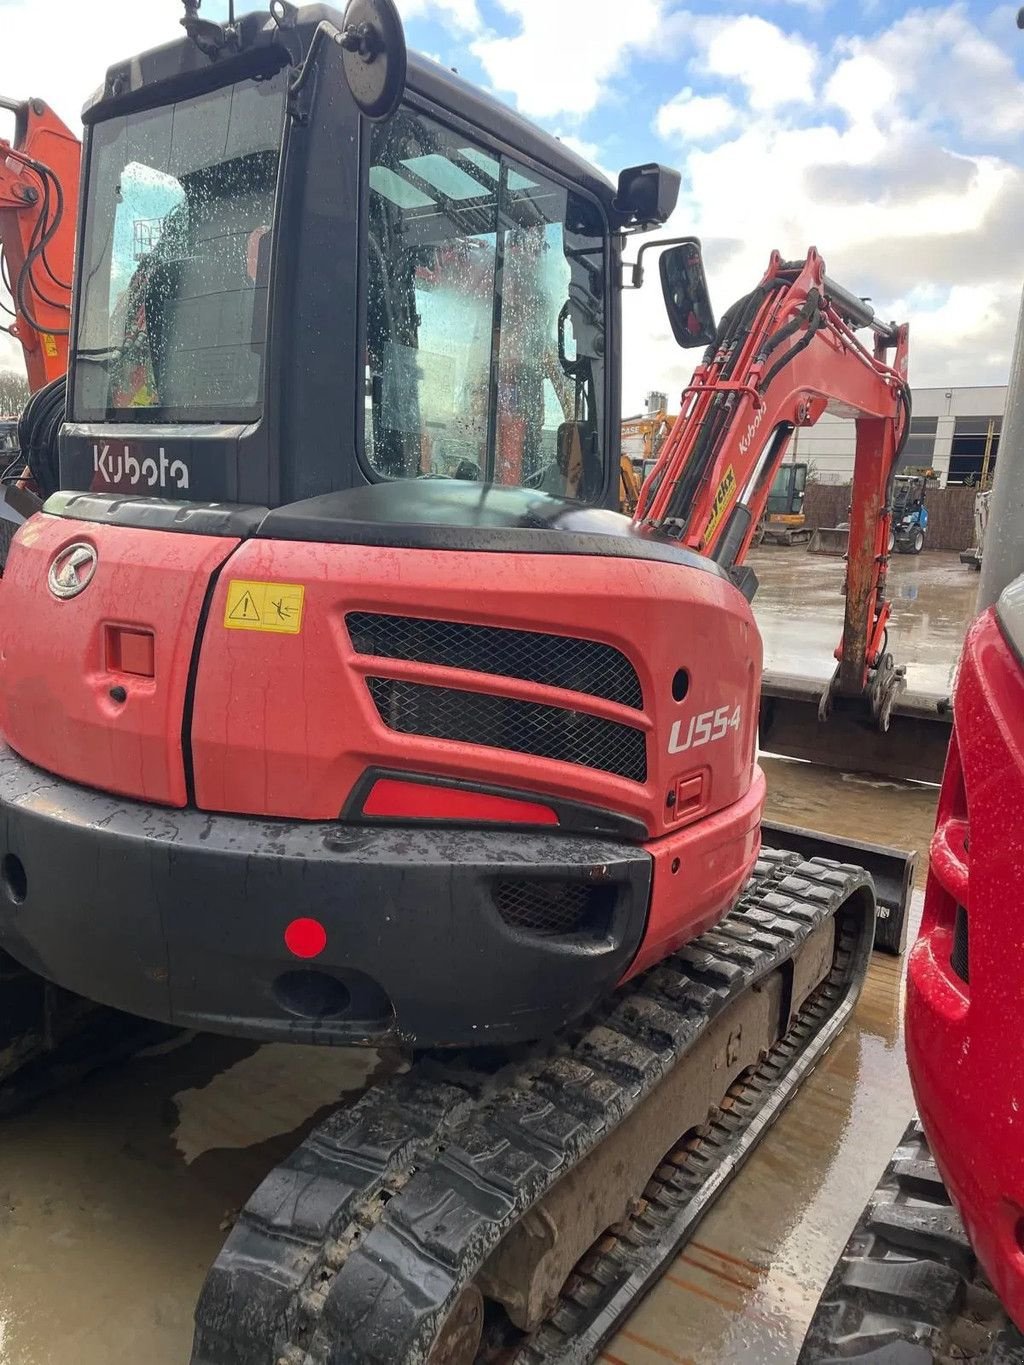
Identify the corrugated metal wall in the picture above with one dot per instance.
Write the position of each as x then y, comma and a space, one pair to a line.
950, 513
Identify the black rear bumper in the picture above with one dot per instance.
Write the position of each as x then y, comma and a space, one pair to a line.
434, 936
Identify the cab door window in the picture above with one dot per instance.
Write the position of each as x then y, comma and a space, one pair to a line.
485, 316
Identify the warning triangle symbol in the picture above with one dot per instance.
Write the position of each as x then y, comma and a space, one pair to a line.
245, 609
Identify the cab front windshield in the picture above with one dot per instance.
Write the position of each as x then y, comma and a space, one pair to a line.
175, 258
485, 317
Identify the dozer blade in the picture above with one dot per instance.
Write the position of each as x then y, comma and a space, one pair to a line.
788, 536
892, 871
485, 1207
913, 747
830, 540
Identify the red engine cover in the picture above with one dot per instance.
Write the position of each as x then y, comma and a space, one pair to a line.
284, 724
963, 1036
281, 717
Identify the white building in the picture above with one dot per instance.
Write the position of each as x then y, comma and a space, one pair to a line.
954, 431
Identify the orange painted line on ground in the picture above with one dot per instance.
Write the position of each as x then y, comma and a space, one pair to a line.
731, 1260
745, 1285
611, 1360
734, 1308
657, 1350
777, 1275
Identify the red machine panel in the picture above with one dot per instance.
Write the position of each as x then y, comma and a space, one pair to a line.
322, 661
93, 683
965, 998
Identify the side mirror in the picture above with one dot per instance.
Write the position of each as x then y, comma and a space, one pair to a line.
374, 56
647, 195
687, 300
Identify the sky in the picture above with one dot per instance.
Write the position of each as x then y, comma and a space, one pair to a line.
891, 137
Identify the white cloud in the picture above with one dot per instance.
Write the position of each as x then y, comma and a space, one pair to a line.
462, 13
695, 118
775, 67
860, 85
940, 64
65, 73
560, 61
589, 151
904, 195
974, 320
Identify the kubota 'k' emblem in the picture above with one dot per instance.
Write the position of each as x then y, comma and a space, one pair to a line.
72, 570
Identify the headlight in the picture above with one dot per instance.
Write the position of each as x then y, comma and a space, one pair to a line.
1010, 613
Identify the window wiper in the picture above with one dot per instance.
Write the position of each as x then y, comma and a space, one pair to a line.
98, 353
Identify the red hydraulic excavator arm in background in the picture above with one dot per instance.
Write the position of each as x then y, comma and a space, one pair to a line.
39, 173
783, 356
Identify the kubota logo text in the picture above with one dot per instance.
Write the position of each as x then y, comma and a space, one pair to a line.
750, 432
123, 469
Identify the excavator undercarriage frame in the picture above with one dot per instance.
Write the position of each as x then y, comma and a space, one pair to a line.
443, 1219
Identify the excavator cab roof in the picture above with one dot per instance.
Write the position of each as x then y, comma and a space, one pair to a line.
281, 297
179, 69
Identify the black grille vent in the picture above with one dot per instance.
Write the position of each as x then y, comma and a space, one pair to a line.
500, 723
554, 909
555, 660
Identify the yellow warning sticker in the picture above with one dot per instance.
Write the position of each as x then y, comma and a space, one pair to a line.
276, 607
723, 499
49, 344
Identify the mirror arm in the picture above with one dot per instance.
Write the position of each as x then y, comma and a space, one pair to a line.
372, 37
637, 267
324, 30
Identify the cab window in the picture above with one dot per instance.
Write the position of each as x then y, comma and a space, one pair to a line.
485, 317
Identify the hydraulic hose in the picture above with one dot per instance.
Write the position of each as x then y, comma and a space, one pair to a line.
38, 429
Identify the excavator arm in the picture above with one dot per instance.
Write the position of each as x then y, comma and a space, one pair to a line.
783, 356
39, 175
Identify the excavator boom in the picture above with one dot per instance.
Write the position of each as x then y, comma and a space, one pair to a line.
39, 175
784, 355
780, 358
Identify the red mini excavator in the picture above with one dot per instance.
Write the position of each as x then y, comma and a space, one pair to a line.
341, 708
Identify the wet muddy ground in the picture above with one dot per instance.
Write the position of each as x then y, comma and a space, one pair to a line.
115, 1197
799, 607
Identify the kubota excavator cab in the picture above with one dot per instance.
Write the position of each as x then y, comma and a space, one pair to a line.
337, 704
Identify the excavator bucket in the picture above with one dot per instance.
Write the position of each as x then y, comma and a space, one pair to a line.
830, 540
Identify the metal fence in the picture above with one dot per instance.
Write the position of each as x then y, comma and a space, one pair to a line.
950, 513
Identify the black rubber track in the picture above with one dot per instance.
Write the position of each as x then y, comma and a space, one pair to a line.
356, 1248
908, 1289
